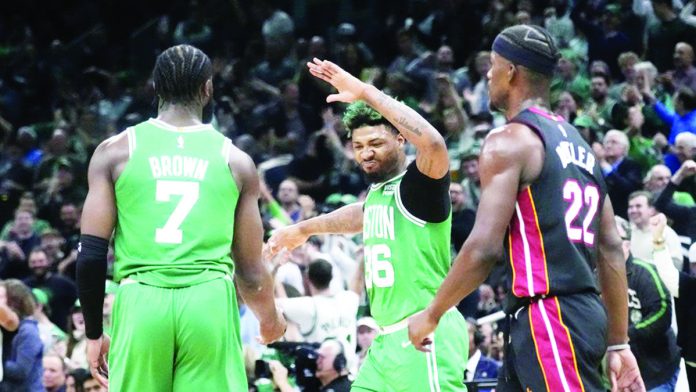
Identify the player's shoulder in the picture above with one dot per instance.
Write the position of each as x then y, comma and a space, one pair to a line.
510, 140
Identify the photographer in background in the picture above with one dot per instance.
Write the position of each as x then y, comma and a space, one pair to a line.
331, 369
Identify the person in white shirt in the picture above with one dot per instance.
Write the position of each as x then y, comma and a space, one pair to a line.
640, 210
326, 313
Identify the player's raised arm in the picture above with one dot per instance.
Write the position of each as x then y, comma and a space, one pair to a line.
97, 224
431, 157
345, 220
254, 281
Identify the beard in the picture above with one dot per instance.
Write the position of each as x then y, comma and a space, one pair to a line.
388, 169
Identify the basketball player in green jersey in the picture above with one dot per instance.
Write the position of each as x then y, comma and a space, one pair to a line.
405, 222
183, 202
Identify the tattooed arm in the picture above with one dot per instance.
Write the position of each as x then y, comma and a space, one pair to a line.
431, 157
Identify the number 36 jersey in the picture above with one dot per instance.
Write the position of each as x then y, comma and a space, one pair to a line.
551, 243
175, 201
406, 258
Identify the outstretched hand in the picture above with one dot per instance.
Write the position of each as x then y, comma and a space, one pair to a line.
285, 238
623, 372
349, 87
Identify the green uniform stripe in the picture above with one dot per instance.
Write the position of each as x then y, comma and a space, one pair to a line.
663, 299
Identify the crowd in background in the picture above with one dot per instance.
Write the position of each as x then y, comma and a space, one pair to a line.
76, 72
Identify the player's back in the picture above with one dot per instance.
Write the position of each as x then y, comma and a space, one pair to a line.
551, 246
175, 202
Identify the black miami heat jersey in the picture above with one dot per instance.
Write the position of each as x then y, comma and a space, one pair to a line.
551, 243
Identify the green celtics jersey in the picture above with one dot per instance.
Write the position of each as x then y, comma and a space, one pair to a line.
406, 258
176, 200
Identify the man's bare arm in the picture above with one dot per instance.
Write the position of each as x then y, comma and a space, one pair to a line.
345, 220
611, 266
501, 166
253, 278
431, 158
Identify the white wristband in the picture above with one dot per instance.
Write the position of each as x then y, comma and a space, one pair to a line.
619, 347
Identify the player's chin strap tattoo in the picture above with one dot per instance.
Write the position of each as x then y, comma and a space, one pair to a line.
91, 280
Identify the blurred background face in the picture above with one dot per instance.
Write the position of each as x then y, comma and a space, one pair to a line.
613, 146
365, 336
683, 55
566, 101
659, 178
39, 263
53, 375
23, 222
445, 57
470, 169
326, 354
287, 192
639, 211
457, 194
598, 88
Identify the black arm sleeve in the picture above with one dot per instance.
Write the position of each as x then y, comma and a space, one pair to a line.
424, 197
91, 280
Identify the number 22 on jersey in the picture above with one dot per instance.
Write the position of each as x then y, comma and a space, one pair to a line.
578, 198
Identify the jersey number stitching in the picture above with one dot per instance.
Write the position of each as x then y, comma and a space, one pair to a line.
578, 197
378, 271
188, 190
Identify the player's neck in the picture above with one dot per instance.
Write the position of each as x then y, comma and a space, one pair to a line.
180, 115
520, 104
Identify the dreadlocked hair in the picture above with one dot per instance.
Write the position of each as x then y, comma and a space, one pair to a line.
359, 114
179, 73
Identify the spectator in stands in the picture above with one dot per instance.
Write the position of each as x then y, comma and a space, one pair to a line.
665, 34
61, 291
367, 331
684, 72
601, 105
76, 355
683, 217
604, 39
656, 181
471, 183
681, 120
407, 51
479, 366
54, 373
75, 379
462, 217
650, 333
569, 79
22, 369
287, 196
429, 65
331, 369
622, 174
640, 210
685, 150
682, 286
15, 248
325, 313
53, 338
626, 61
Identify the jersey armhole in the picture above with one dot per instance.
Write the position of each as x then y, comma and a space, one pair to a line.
130, 133
226, 150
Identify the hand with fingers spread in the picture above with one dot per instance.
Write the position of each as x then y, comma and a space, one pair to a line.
623, 372
97, 351
349, 87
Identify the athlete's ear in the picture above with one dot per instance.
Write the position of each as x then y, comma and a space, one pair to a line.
207, 91
512, 70
400, 139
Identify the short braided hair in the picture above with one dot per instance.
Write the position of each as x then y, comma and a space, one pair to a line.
179, 73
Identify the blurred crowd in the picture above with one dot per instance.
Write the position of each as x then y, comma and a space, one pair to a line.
73, 73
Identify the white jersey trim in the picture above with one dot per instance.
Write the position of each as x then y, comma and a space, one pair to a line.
400, 205
130, 134
169, 127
